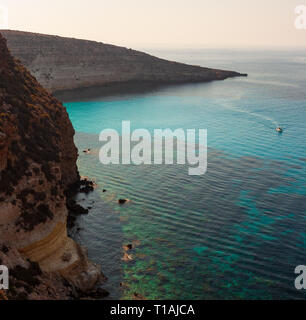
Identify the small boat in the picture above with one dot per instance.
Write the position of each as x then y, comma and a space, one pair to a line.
279, 129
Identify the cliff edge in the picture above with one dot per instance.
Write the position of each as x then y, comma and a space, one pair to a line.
37, 165
61, 64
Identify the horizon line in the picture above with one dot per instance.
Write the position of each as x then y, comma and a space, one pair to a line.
163, 46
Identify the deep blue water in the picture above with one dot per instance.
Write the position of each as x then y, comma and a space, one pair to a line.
238, 231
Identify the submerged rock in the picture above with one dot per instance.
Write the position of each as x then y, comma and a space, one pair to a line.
127, 247
137, 296
123, 201
127, 257
87, 151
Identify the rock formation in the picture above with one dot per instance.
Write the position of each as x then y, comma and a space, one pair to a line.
64, 64
37, 166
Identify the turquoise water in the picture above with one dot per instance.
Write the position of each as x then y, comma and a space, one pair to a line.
238, 232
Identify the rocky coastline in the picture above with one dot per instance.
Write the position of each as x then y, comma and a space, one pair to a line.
37, 173
66, 64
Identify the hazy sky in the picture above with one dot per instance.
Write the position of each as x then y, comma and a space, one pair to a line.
164, 23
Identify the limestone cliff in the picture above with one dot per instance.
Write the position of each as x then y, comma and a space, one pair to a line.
65, 64
37, 165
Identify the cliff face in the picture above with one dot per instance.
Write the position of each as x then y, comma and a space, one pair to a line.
37, 164
65, 64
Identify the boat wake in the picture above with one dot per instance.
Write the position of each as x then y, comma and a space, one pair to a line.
272, 123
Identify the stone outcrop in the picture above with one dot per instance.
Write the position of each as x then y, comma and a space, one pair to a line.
37, 166
65, 64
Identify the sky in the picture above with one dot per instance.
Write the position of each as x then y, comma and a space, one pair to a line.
164, 23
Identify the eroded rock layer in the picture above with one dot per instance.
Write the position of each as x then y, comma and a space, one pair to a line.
64, 64
37, 165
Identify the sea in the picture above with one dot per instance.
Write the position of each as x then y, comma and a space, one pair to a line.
236, 232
